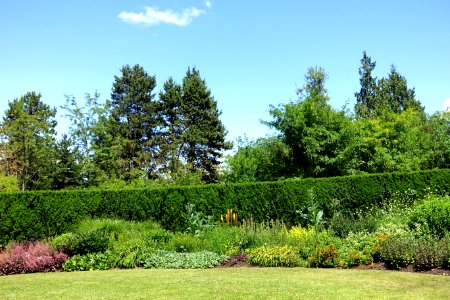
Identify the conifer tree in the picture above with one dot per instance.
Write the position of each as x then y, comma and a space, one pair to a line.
193, 132
132, 123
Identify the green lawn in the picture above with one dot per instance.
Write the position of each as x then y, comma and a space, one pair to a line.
226, 283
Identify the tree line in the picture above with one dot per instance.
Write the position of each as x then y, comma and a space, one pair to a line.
388, 130
139, 138
135, 138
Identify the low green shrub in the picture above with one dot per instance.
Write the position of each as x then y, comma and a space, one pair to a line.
318, 248
175, 260
96, 240
89, 262
159, 235
398, 251
342, 226
186, 243
130, 253
432, 216
226, 239
275, 256
423, 252
360, 249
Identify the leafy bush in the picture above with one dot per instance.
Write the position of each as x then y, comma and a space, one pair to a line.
360, 249
63, 242
90, 261
423, 252
196, 222
398, 251
93, 241
186, 243
226, 239
30, 257
159, 235
318, 248
432, 216
275, 256
342, 226
175, 260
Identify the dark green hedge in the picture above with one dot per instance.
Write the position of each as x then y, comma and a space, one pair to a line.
34, 215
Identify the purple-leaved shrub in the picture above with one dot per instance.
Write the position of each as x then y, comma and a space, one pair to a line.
30, 257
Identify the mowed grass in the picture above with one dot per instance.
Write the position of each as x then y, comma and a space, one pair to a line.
226, 283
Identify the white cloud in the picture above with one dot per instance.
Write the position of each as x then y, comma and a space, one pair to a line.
446, 105
154, 16
208, 3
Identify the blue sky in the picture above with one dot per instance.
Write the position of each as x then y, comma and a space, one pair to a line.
251, 53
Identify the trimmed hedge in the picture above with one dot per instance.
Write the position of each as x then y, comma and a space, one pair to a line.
39, 214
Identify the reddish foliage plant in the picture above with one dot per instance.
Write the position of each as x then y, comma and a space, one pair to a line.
30, 257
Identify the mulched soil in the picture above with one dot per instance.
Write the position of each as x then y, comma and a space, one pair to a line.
240, 260
410, 268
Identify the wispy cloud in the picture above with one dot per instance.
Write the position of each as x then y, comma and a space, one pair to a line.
154, 16
446, 105
208, 3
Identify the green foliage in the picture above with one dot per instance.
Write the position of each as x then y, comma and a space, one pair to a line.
186, 243
87, 125
67, 171
191, 130
390, 94
28, 130
34, 215
226, 239
175, 260
398, 251
89, 262
423, 252
132, 123
312, 129
265, 159
196, 222
433, 216
319, 249
93, 241
360, 249
8, 183
275, 256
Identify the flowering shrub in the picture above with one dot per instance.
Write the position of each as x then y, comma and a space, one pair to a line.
30, 257
276, 256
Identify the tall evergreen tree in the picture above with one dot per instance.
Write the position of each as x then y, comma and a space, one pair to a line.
28, 131
390, 94
366, 98
172, 123
193, 132
396, 95
67, 172
133, 122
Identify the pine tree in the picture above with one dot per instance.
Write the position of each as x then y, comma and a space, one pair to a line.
67, 172
133, 122
192, 130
